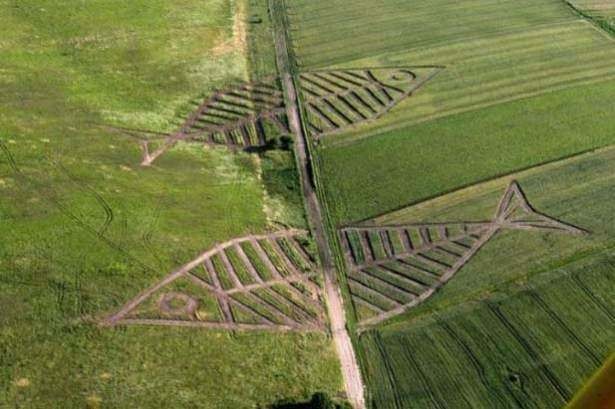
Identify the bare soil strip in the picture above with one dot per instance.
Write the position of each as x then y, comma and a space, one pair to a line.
350, 369
288, 309
213, 325
437, 250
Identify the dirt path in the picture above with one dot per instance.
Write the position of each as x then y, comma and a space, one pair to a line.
350, 369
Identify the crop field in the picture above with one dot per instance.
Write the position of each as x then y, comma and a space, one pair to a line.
531, 327
497, 82
526, 349
422, 161
241, 204
86, 228
470, 211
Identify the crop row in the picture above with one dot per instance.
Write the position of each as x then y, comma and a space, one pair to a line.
534, 349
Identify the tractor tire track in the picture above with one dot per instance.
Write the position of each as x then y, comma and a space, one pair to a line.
590, 294
52, 196
97, 196
558, 320
476, 364
563, 393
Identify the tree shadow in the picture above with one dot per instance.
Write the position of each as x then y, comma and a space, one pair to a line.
283, 142
318, 401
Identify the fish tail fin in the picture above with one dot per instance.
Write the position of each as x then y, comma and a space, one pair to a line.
515, 212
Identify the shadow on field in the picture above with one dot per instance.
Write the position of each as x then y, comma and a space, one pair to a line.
318, 401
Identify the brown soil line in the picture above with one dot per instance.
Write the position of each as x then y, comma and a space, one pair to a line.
410, 252
364, 325
215, 325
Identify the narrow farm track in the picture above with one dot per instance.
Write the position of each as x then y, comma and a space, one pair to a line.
351, 373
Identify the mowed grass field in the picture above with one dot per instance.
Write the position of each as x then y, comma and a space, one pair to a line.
527, 320
85, 228
518, 81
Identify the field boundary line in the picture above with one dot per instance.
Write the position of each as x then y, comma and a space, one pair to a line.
591, 20
497, 179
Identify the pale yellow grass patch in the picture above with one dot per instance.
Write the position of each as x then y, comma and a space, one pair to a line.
22, 382
93, 401
238, 43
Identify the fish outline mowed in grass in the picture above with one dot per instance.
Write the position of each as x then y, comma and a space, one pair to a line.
392, 273
257, 282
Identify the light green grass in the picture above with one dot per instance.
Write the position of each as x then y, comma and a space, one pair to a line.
65, 68
403, 167
605, 7
515, 271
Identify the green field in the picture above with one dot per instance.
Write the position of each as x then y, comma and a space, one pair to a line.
85, 228
492, 51
511, 73
413, 112
531, 327
525, 91
422, 161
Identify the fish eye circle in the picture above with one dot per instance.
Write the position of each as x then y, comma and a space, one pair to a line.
402, 75
175, 304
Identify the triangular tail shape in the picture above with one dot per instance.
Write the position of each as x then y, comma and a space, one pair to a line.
515, 212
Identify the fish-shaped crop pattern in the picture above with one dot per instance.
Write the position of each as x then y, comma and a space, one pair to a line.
338, 99
394, 268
